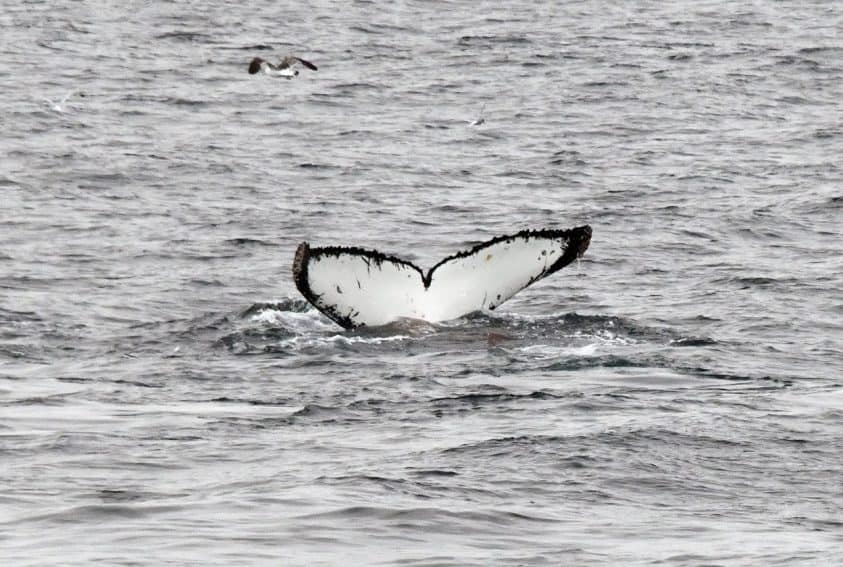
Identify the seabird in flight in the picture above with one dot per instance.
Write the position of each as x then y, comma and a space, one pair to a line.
285, 68
480, 119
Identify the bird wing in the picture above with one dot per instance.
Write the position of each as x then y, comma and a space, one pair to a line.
67, 96
255, 65
307, 64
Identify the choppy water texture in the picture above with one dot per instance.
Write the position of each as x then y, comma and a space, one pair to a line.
167, 396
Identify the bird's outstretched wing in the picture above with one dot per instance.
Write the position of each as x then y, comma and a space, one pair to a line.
307, 64
255, 65
356, 287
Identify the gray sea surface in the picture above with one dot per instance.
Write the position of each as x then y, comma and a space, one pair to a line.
168, 398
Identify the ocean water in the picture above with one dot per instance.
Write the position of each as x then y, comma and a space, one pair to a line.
167, 397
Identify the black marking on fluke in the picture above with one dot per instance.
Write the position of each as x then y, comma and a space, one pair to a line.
578, 240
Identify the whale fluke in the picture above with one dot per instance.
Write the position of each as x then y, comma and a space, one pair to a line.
356, 287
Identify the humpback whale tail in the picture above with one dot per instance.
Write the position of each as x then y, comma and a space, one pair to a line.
356, 287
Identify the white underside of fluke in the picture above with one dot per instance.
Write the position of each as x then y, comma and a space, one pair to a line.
357, 287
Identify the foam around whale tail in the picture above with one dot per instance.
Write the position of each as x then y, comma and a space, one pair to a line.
356, 287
